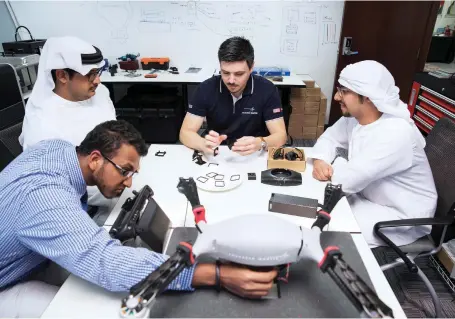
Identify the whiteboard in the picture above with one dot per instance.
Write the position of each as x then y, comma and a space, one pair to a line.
301, 35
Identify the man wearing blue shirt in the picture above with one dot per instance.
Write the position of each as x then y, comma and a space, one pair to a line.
42, 218
240, 107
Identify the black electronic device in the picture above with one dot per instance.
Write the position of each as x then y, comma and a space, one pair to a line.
293, 205
281, 177
294, 155
32, 46
230, 143
113, 69
141, 218
252, 176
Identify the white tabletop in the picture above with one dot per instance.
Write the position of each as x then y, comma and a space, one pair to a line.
163, 77
194, 78
78, 298
253, 197
162, 175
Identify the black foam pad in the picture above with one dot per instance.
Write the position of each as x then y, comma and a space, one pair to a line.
309, 293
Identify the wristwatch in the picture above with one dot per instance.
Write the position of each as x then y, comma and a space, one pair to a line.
263, 144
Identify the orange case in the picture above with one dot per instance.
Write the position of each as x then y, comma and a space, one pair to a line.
155, 60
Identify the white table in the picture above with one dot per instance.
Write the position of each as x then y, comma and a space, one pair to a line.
80, 299
292, 80
163, 77
162, 175
253, 197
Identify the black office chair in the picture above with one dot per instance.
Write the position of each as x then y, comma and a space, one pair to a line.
440, 150
12, 112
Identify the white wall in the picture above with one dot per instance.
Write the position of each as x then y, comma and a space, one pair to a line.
302, 35
443, 20
6, 25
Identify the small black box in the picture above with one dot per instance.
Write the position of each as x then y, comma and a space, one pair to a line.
293, 205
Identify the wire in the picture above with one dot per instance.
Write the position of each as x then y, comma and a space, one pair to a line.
21, 26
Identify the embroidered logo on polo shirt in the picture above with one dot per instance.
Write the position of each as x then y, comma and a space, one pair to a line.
190, 106
249, 110
277, 110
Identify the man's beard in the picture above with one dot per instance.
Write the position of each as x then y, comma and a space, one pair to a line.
99, 182
347, 114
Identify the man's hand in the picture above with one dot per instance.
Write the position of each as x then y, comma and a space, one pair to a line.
245, 282
247, 145
321, 170
212, 141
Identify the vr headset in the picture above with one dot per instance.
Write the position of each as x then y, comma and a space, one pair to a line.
141, 222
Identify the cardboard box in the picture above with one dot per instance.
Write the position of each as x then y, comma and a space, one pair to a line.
311, 108
298, 166
319, 131
309, 136
321, 119
296, 118
316, 91
309, 133
296, 92
309, 83
295, 131
323, 104
298, 107
297, 98
310, 120
309, 130
447, 259
313, 98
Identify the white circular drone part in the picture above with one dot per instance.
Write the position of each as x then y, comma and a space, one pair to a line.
217, 178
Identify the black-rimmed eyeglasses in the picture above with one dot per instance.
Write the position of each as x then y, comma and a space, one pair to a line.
124, 172
92, 75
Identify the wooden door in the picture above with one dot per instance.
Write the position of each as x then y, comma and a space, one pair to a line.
394, 33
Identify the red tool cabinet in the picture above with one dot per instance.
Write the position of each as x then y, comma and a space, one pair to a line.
431, 98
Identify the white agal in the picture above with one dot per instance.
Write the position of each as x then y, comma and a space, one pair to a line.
387, 175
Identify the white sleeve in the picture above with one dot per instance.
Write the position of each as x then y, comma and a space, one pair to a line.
390, 152
109, 104
335, 136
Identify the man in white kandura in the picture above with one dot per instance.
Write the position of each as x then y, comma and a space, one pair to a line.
68, 100
387, 175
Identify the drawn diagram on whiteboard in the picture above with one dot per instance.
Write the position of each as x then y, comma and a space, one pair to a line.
329, 33
117, 15
309, 18
300, 31
226, 19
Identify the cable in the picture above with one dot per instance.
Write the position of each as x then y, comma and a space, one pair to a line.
21, 26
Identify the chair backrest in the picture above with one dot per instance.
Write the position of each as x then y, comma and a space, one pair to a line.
440, 150
12, 112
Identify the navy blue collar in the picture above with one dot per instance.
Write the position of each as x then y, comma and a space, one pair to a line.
249, 89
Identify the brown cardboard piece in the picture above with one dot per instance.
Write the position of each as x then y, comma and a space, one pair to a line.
313, 92
295, 131
311, 108
309, 120
313, 98
447, 259
309, 83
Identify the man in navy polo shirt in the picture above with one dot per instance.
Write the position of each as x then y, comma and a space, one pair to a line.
238, 106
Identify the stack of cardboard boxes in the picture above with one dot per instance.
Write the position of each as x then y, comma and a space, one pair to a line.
308, 112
